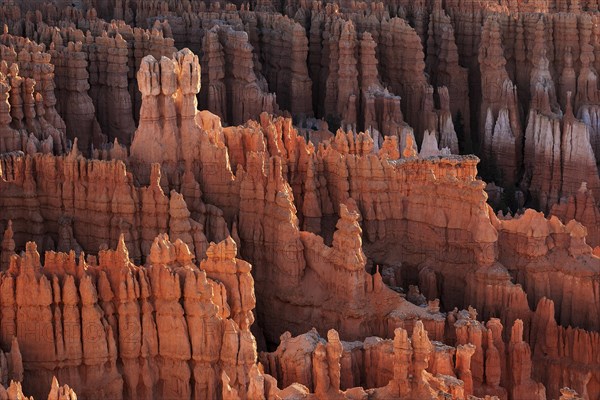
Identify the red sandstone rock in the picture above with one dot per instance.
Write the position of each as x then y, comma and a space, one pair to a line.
313, 219
523, 387
581, 207
73, 99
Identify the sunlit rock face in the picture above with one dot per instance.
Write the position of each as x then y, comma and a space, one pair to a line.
296, 200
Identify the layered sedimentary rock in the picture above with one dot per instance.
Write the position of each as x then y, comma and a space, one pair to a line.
184, 24
236, 230
111, 95
558, 158
554, 347
348, 230
213, 94
246, 92
34, 63
169, 89
400, 368
31, 122
546, 241
126, 309
403, 68
74, 102
63, 213
443, 64
499, 127
581, 207
380, 109
287, 75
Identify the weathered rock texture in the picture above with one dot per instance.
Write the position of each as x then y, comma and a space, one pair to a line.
173, 199
30, 121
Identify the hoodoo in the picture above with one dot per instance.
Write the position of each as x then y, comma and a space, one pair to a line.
282, 200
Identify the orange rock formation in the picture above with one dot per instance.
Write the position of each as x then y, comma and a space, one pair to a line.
278, 200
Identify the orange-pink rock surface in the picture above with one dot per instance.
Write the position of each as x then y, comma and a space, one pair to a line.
299, 200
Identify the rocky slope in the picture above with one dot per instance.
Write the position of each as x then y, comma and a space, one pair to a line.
268, 201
